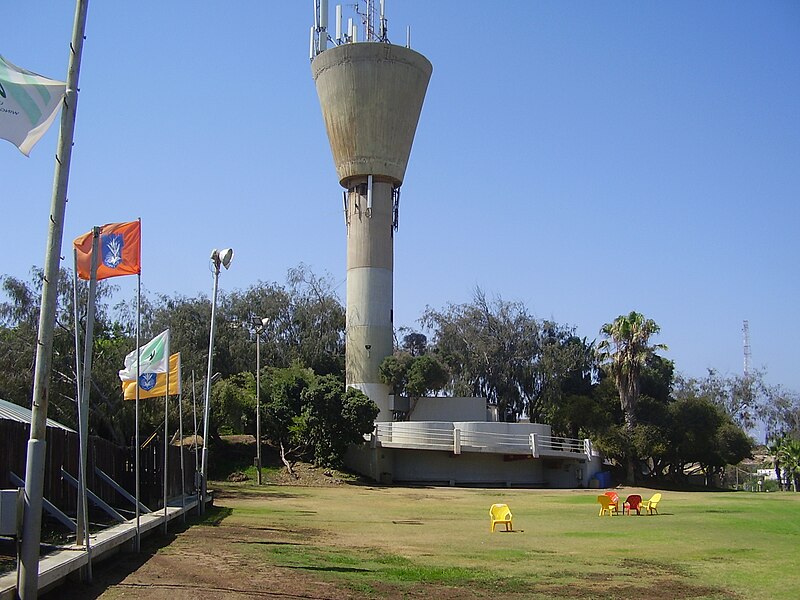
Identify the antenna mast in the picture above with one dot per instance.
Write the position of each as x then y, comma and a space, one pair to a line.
746, 331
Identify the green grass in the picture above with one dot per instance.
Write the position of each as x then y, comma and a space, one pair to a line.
702, 545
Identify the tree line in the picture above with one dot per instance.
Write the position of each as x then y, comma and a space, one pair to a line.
618, 391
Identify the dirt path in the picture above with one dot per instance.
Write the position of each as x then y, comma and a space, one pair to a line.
198, 562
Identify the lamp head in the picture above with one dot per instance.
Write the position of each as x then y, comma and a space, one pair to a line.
225, 257
259, 322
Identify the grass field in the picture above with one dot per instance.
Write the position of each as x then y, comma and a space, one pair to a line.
373, 539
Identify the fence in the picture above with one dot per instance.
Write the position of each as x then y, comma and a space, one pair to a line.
117, 462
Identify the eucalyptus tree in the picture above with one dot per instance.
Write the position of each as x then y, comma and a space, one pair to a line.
413, 376
780, 413
496, 349
19, 314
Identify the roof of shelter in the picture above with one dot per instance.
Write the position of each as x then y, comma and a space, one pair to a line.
14, 412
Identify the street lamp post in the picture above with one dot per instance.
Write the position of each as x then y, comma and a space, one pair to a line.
218, 258
259, 325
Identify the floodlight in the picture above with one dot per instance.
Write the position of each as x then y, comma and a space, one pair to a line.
225, 257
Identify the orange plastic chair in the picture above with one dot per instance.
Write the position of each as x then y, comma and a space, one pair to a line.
614, 500
606, 505
632, 503
651, 506
500, 513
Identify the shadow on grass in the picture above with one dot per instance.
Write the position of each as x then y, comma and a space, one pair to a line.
269, 543
329, 569
214, 516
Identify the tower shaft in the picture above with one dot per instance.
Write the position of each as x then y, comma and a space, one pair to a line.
370, 266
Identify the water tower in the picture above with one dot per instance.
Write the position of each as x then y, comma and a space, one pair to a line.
371, 93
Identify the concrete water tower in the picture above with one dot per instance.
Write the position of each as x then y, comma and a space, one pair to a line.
371, 93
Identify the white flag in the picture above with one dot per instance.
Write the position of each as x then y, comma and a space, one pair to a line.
154, 358
28, 105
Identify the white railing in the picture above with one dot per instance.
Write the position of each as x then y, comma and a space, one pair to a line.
445, 436
412, 434
508, 443
553, 444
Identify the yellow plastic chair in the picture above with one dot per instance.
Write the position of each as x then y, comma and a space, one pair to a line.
607, 505
500, 513
651, 506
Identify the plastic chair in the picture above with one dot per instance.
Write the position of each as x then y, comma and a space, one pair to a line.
632, 503
606, 505
651, 505
500, 513
614, 500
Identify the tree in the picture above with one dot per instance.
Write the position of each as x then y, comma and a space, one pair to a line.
497, 350
780, 412
625, 351
789, 454
109, 416
334, 417
314, 417
413, 376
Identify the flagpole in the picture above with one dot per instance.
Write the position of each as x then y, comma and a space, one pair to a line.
180, 433
138, 449
196, 471
166, 437
77, 332
82, 534
28, 571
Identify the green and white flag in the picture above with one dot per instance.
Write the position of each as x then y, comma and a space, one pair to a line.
28, 105
154, 358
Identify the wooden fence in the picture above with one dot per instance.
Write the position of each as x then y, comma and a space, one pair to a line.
117, 462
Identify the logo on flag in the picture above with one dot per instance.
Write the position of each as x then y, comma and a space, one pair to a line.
30, 104
147, 381
113, 244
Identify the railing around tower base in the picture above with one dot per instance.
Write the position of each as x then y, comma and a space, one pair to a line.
425, 435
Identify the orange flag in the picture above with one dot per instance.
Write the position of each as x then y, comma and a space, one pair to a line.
120, 251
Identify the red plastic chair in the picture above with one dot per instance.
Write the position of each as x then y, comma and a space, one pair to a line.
632, 503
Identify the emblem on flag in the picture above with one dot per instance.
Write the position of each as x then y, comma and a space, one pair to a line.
147, 381
113, 244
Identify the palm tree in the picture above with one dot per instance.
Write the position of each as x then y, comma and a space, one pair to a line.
789, 455
625, 351
774, 449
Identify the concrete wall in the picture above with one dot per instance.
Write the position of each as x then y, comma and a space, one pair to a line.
449, 409
434, 467
443, 468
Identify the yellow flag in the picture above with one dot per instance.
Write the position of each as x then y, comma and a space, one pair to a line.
153, 385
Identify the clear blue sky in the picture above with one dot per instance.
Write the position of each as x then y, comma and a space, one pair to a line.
585, 158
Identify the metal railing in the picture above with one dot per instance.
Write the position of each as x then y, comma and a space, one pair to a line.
445, 436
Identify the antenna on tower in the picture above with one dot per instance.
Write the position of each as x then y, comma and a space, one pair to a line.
746, 334
319, 31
